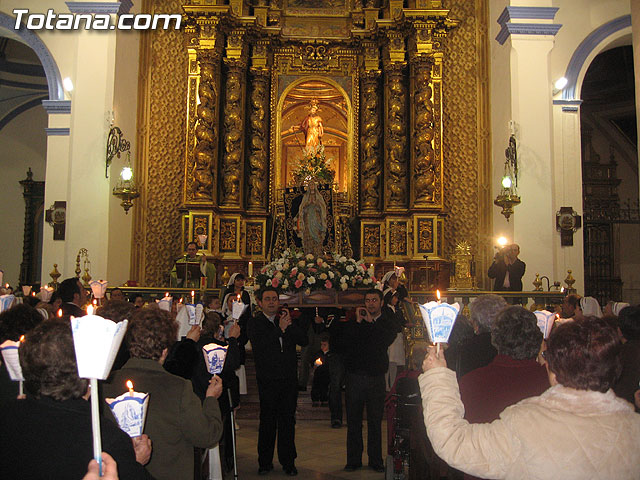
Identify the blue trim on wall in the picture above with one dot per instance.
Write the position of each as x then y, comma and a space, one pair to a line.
57, 106
527, 29
585, 48
18, 110
531, 13
567, 102
93, 7
57, 131
54, 81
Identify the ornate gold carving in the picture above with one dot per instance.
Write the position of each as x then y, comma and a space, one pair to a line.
466, 123
426, 171
206, 130
228, 235
371, 168
397, 243
344, 233
425, 235
258, 105
396, 181
233, 126
371, 234
254, 239
461, 273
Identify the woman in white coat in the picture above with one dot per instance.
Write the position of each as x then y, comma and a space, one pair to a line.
577, 429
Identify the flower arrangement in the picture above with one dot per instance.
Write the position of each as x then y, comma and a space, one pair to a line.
313, 165
295, 271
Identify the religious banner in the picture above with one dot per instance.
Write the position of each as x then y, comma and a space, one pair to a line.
309, 222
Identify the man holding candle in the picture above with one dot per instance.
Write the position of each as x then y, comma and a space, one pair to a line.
366, 362
176, 420
273, 338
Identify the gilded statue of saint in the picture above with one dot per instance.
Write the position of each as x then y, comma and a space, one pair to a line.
311, 126
311, 221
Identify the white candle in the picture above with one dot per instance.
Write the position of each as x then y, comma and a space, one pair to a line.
251, 269
193, 296
95, 423
438, 296
130, 387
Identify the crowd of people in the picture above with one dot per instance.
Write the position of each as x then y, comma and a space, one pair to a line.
499, 402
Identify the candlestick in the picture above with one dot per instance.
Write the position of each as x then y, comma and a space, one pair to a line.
251, 269
95, 423
20, 388
130, 387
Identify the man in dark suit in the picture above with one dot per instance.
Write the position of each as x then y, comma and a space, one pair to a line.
507, 269
273, 339
366, 361
73, 296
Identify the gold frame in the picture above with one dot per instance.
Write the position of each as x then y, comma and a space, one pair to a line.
209, 247
235, 254
343, 63
263, 247
419, 255
388, 221
379, 224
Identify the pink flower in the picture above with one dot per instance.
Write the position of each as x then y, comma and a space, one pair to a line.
298, 283
319, 261
294, 272
328, 284
263, 270
275, 282
313, 270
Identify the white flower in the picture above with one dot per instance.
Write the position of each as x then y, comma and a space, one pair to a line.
267, 283
350, 268
331, 275
366, 281
343, 286
342, 259
309, 256
344, 279
298, 255
278, 267
311, 280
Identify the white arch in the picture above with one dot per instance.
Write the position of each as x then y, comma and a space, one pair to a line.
54, 81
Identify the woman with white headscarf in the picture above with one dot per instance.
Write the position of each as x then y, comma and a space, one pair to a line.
588, 307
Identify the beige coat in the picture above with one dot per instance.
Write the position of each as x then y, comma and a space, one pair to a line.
562, 434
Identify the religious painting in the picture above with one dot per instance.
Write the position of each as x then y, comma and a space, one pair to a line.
314, 120
309, 223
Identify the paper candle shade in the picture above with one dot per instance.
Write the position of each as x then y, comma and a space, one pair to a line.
98, 287
96, 341
130, 412
214, 356
11, 358
202, 239
199, 313
6, 302
545, 321
26, 290
439, 319
45, 294
192, 319
238, 309
165, 303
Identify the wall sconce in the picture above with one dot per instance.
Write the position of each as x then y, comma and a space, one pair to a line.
116, 144
126, 189
508, 197
559, 85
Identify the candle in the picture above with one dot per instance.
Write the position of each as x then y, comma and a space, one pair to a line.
193, 296
33, 294
438, 296
166, 294
251, 269
318, 362
59, 312
130, 387
95, 423
90, 310
6, 285
180, 300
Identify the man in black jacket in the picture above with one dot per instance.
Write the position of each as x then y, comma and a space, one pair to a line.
366, 363
273, 339
507, 269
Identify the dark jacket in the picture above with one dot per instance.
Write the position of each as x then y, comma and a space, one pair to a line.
72, 309
47, 439
275, 360
176, 420
474, 352
367, 345
498, 270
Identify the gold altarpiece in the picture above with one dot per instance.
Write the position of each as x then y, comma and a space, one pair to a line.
377, 70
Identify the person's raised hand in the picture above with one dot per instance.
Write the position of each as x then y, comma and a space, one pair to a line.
109, 469
194, 333
285, 319
142, 448
318, 319
215, 387
433, 359
234, 331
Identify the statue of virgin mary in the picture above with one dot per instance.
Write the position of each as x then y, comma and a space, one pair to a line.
311, 220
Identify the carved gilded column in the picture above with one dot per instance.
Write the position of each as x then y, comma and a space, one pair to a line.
206, 130
257, 181
425, 181
371, 165
396, 194
233, 124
